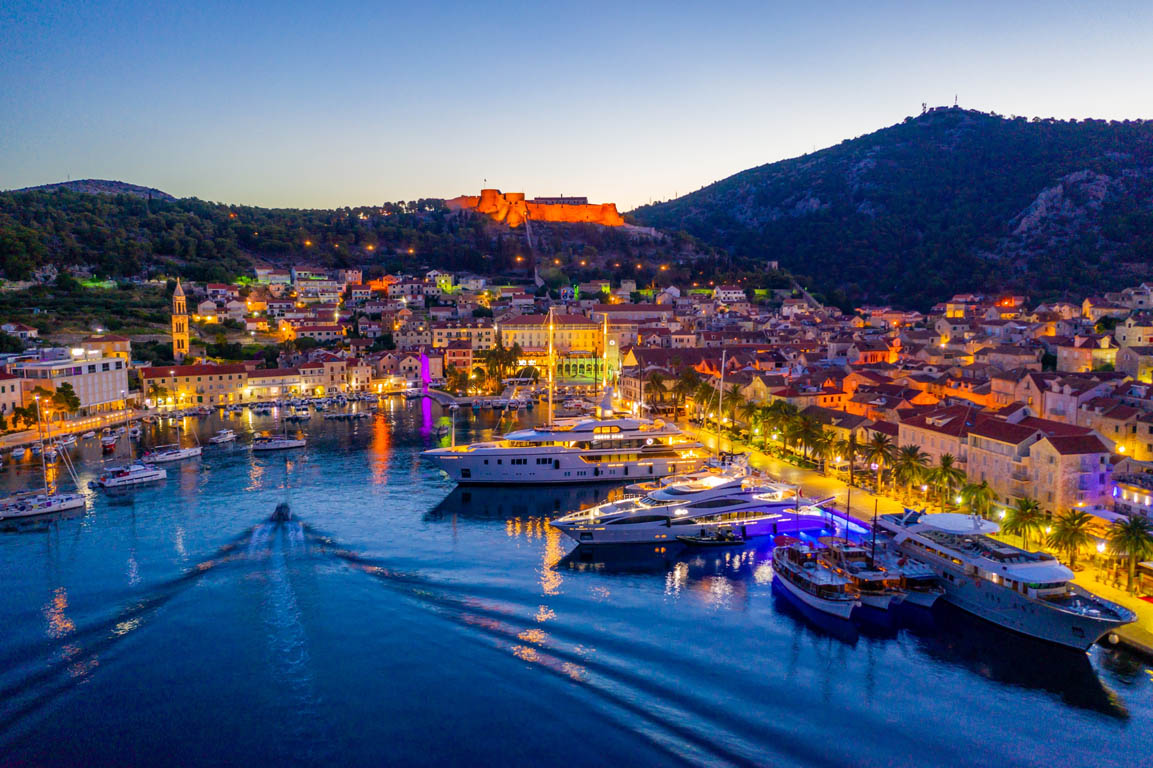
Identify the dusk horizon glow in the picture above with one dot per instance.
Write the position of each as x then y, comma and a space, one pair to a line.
283, 106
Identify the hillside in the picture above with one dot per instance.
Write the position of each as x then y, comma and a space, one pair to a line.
948, 201
102, 187
121, 233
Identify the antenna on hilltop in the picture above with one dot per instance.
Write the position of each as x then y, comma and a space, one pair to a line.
924, 107
954, 101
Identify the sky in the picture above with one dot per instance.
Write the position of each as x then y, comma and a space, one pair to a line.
335, 103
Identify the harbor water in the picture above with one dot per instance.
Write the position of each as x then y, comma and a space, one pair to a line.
396, 619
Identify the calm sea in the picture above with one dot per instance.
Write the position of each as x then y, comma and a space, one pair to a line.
397, 620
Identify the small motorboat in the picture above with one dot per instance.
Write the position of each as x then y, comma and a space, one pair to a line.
18, 452
223, 436
108, 443
721, 537
88, 435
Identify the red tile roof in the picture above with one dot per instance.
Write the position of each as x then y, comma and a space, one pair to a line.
1073, 445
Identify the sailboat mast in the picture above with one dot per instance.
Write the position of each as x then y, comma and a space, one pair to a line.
43, 450
605, 352
720, 404
551, 366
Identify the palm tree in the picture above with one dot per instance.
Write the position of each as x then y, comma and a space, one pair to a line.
685, 386
750, 413
910, 466
806, 432
879, 451
705, 398
1071, 534
1133, 540
979, 497
655, 384
945, 477
824, 446
1024, 519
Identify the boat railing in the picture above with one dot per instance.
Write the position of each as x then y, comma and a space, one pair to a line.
1081, 602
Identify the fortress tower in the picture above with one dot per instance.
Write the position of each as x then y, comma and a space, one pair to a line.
179, 324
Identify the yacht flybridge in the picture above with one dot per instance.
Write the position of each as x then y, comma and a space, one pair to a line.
583, 451
744, 504
1027, 592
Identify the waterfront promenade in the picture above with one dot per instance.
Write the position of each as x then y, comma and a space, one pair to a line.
1138, 635
71, 426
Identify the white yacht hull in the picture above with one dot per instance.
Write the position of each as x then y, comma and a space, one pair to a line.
842, 609
1018, 613
921, 599
283, 445
555, 467
38, 506
783, 520
1012, 610
125, 482
163, 458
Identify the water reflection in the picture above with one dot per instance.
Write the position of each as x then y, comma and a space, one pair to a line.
481, 502
721, 580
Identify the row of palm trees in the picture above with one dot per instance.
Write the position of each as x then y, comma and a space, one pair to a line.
907, 467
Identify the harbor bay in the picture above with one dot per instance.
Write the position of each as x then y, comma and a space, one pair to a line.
394, 617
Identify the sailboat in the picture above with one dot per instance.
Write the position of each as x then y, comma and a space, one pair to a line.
35, 504
267, 442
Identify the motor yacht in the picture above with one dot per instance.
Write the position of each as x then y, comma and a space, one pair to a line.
223, 436
798, 569
878, 587
166, 453
919, 582
136, 473
583, 451
1026, 592
276, 443
745, 505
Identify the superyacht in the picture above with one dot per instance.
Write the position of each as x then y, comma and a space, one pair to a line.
587, 451
1026, 592
740, 503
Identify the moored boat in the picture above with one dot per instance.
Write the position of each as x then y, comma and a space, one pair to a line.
136, 473
878, 587
223, 436
165, 453
1026, 592
800, 571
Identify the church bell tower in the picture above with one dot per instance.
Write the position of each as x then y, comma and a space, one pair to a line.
179, 324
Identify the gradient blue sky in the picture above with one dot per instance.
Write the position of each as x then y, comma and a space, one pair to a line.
326, 104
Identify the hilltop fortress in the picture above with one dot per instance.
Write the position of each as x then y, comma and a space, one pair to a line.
512, 209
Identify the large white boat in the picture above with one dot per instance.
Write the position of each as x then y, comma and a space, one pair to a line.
165, 453
1026, 592
25, 505
136, 473
800, 571
745, 505
275, 443
585, 451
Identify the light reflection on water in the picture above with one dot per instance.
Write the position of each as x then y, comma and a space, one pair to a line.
391, 588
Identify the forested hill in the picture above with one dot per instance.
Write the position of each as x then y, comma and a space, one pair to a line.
120, 232
952, 200
126, 234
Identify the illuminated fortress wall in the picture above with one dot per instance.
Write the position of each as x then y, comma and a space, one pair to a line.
512, 209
